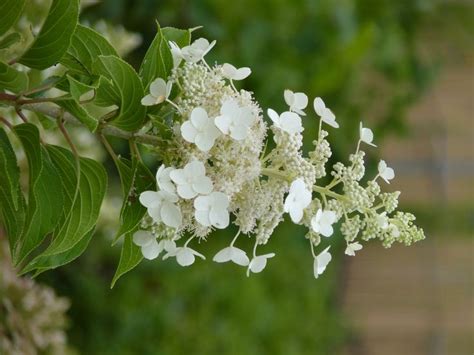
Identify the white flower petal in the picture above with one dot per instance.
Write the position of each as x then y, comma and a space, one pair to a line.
171, 215
239, 257
150, 199
275, 117
223, 256
291, 122
326, 230
188, 131
151, 251
202, 203
203, 185
202, 217
300, 101
185, 257
319, 106
257, 264
143, 238
321, 261
158, 89
195, 168
223, 122
219, 218
242, 73
186, 191
149, 100
199, 117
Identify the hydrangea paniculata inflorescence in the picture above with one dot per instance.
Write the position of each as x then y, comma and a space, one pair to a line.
216, 171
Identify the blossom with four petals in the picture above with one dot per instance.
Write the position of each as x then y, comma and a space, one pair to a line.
297, 200
288, 121
231, 253
322, 222
159, 92
234, 120
321, 261
212, 210
196, 51
161, 207
150, 247
232, 73
297, 101
191, 180
352, 248
385, 172
200, 129
258, 263
327, 116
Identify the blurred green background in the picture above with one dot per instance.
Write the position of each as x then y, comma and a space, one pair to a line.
379, 61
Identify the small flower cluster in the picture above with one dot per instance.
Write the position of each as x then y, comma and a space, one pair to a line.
215, 167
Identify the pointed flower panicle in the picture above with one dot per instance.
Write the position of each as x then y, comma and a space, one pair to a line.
327, 116
352, 248
385, 172
191, 180
321, 261
212, 210
258, 263
366, 135
232, 73
234, 120
288, 121
231, 253
297, 200
160, 91
322, 222
297, 101
200, 130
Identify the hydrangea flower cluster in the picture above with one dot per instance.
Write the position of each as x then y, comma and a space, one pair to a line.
216, 171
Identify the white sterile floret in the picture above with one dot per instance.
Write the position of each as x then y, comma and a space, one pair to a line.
163, 179
200, 130
327, 116
191, 180
385, 172
231, 253
185, 256
366, 135
197, 50
288, 121
212, 210
161, 207
159, 92
148, 244
321, 261
352, 248
297, 200
232, 73
176, 53
234, 120
297, 101
322, 222
258, 263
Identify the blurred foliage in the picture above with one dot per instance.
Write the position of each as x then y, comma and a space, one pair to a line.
362, 57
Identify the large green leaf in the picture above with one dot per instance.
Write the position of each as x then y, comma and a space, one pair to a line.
12, 79
55, 35
158, 61
130, 257
45, 197
81, 209
86, 46
135, 178
126, 91
10, 11
12, 202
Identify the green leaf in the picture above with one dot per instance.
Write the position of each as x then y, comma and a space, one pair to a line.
12, 79
181, 37
79, 212
126, 92
130, 257
10, 11
9, 39
86, 46
45, 198
158, 61
78, 88
135, 178
55, 35
75, 109
12, 201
